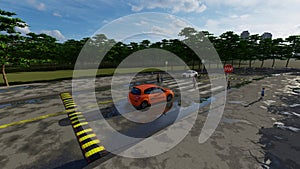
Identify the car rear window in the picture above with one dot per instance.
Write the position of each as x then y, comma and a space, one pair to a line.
135, 91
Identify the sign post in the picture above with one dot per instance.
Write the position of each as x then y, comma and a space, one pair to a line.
203, 62
228, 69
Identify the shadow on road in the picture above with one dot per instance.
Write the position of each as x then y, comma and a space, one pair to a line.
78, 164
255, 101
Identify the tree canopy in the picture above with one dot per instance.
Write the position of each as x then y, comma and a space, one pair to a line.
30, 49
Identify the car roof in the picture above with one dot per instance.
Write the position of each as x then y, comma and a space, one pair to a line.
145, 86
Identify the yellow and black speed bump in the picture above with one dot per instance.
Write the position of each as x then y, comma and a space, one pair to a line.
89, 143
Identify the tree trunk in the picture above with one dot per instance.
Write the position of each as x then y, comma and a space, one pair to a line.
4, 75
273, 63
193, 64
262, 63
250, 63
240, 63
287, 62
232, 62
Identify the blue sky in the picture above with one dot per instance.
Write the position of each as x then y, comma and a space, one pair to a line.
75, 19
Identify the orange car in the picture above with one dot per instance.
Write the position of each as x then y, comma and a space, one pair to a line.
144, 95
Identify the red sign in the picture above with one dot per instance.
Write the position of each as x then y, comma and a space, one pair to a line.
228, 68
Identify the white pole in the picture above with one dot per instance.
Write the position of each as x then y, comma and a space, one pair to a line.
166, 65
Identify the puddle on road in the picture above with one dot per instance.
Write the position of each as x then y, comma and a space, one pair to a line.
14, 88
235, 102
4, 105
15, 104
232, 121
296, 90
294, 105
269, 102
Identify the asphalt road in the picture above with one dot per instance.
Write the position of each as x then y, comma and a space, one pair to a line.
50, 142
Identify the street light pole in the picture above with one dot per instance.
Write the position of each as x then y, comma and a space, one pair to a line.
203, 62
166, 63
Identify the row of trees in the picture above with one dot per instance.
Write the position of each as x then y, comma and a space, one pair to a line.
30, 49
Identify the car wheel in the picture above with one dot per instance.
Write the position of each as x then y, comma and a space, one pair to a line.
169, 97
144, 104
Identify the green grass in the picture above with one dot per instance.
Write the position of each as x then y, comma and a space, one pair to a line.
44, 76
27, 77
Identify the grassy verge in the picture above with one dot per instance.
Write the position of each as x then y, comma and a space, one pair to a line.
47, 76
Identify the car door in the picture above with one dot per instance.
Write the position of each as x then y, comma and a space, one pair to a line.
159, 94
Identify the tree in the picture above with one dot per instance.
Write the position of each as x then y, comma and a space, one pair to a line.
276, 50
42, 47
145, 44
227, 46
293, 48
70, 51
192, 38
265, 49
253, 46
8, 39
242, 50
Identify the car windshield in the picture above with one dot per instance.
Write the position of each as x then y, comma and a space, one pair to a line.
135, 91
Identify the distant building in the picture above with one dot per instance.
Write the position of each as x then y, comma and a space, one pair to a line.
245, 35
266, 35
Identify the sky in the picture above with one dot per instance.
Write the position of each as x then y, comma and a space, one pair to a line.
76, 19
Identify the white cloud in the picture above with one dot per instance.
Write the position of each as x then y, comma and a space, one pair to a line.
141, 23
57, 14
38, 5
257, 17
23, 30
171, 26
174, 5
234, 3
55, 33
105, 21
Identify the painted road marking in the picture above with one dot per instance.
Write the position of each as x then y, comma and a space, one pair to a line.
179, 84
78, 120
80, 124
94, 151
75, 113
170, 81
37, 118
105, 102
192, 85
79, 116
201, 87
204, 86
90, 143
84, 131
86, 137
211, 90
183, 87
